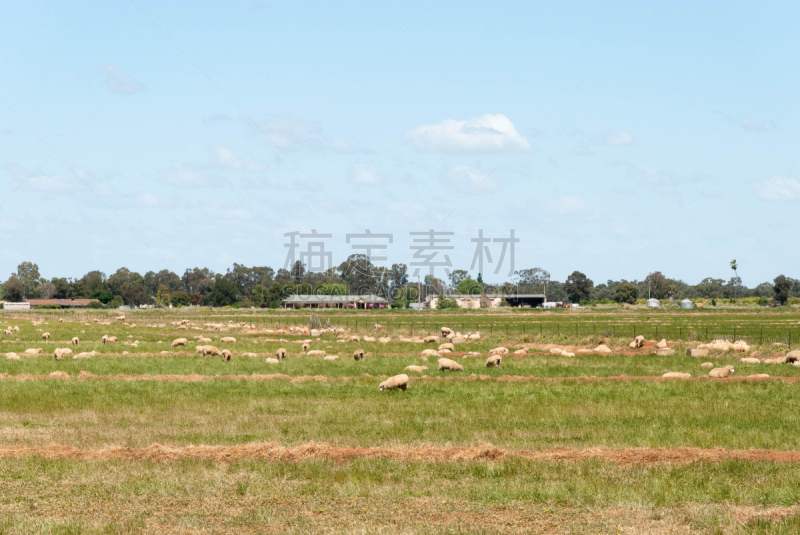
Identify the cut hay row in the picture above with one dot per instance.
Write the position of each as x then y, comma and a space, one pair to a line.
197, 378
270, 451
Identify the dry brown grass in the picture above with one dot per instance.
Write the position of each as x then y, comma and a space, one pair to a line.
270, 451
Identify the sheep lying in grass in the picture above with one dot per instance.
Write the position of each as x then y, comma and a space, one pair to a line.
316, 353
204, 340
494, 361
250, 355
60, 353
12, 356
721, 373
179, 342
393, 383
228, 340
331, 357
33, 352
418, 369
271, 360
499, 351
676, 375
450, 365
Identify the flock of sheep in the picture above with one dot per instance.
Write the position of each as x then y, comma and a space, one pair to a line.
401, 381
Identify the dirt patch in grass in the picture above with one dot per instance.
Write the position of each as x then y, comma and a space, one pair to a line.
269, 451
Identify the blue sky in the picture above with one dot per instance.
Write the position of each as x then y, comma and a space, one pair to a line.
615, 138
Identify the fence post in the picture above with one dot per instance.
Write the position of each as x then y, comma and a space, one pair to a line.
761, 342
734, 335
680, 334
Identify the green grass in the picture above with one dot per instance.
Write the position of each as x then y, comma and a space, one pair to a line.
354, 413
42, 496
537, 365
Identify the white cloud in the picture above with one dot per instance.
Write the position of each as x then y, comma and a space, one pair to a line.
567, 206
361, 173
182, 176
621, 139
223, 158
338, 145
748, 123
287, 132
468, 180
778, 189
488, 134
147, 200
118, 81
42, 182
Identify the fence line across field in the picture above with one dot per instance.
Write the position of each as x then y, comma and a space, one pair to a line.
754, 335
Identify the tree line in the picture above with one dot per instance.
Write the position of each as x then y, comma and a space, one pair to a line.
262, 286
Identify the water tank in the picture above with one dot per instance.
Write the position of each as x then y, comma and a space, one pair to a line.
653, 303
686, 303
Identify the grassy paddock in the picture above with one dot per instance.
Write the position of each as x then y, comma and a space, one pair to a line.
43, 496
354, 413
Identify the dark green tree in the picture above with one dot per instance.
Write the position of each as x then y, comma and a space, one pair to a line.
14, 290
578, 287
180, 299
782, 287
626, 292
224, 292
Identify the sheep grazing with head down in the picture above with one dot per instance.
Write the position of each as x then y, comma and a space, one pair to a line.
358, 354
281, 353
211, 350
179, 342
394, 383
304, 347
226, 355
450, 365
721, 373
75, 340
378, 326
494, 361
45, 336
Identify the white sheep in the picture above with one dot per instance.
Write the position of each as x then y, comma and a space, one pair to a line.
450, 365
271, 360
393, 383
75, 340
494, 361
226, 355
179, 342
676, 375
721, 373
358, 354
418, 369
281, 353
45, 336
33, 352
228, 340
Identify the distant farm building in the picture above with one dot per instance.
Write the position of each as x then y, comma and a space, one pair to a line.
490, 301
335, 301
16, 306
63, 303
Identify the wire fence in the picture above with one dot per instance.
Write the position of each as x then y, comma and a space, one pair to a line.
753, 335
